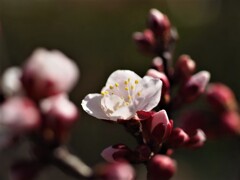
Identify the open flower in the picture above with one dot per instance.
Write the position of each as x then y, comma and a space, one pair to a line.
124, 94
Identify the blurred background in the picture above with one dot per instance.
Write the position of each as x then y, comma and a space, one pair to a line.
97, 35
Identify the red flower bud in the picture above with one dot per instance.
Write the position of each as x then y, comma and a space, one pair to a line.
195, 86
116, 153
157, 63
185, 67
230, 123
161, 167
157, 128
59, 116
177, 138
48, 73
145, 41
221, 97
158, 22
115, 171
197, 139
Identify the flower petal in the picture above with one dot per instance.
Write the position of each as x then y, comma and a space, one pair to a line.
92, 105
150, 90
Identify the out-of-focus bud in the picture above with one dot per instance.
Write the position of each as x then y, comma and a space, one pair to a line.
195, 86
230, 123
19, 115
157, 63
161, 167
159, 75
48, 73
197, 139
157, 128
24, 170
145, 41
59, 116
118, 152
221, 97
177, 138
115, 171
158, 22
185, 67
10, 82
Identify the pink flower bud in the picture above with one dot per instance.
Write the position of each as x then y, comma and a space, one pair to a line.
10, 82
230, 123
195, 86
197, 139
115, 171
161, 167
145, 41
159, 75
24, 170
221, 97
158, 22
157, 128
177, 138
48, 73
59, 116
19, 115
185, 67
116, 153
157, 63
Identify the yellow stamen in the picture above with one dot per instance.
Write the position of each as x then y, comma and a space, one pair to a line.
116, 84
129, 97
139, 93
111, 87
125, 82
129, 79
136, 81
132, 87
126, 88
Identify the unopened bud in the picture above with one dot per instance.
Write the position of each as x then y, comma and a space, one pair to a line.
116, 153
19, 115
230, 123
197, 139
159, 75
185, 67
59, 115
157, 128
195, 86
161, 167
115, 171
145, 41
177, 138
157, 63
158, 22
221, 97
48, 73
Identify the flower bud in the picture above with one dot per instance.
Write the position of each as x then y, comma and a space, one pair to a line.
157, 63
197, 139
59, 115
159, 75
48, 73
116, 153
24, 170
145, 41
19, 115
185, 67
221, 97
161, 167
115, 171
177, 138
230, 123
195, 86
158, 22
10, 82
157, 128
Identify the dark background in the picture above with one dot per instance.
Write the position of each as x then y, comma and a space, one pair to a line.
97, 35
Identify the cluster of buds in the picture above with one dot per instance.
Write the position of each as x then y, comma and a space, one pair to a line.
143, 105
35, 105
